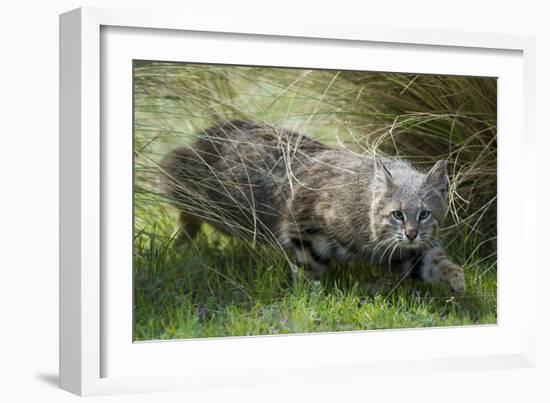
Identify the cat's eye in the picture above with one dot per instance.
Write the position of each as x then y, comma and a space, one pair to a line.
398, 215
423, 215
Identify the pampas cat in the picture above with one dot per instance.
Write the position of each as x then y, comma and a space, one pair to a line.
323, 205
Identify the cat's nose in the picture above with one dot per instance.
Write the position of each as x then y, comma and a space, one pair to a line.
411, 234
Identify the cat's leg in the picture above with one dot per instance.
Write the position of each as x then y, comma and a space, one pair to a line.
435, 266
189, 226
308, 256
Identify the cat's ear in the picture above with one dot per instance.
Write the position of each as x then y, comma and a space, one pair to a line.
383, 177
437, 177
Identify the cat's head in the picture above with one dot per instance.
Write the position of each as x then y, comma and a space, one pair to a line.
408, 206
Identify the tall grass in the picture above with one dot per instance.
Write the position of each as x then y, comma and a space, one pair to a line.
422, 118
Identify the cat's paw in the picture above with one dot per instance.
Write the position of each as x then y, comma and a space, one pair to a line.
453, 276
458, 284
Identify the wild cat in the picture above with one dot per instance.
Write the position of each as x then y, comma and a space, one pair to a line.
320, 204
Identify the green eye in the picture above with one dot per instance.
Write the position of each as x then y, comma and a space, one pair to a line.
398, 215
423, 214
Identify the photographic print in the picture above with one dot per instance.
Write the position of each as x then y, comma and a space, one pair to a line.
275, 200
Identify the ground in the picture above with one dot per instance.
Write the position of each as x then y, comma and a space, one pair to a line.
215, 286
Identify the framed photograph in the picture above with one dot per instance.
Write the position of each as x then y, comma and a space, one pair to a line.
242, 203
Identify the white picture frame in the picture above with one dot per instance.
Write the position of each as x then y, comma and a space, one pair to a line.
97, 355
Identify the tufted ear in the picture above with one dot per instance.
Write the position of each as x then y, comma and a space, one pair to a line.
382, 177
437, 177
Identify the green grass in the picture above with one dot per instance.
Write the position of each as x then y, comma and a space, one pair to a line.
216, 286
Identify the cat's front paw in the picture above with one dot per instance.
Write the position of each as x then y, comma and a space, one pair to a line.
453, 276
